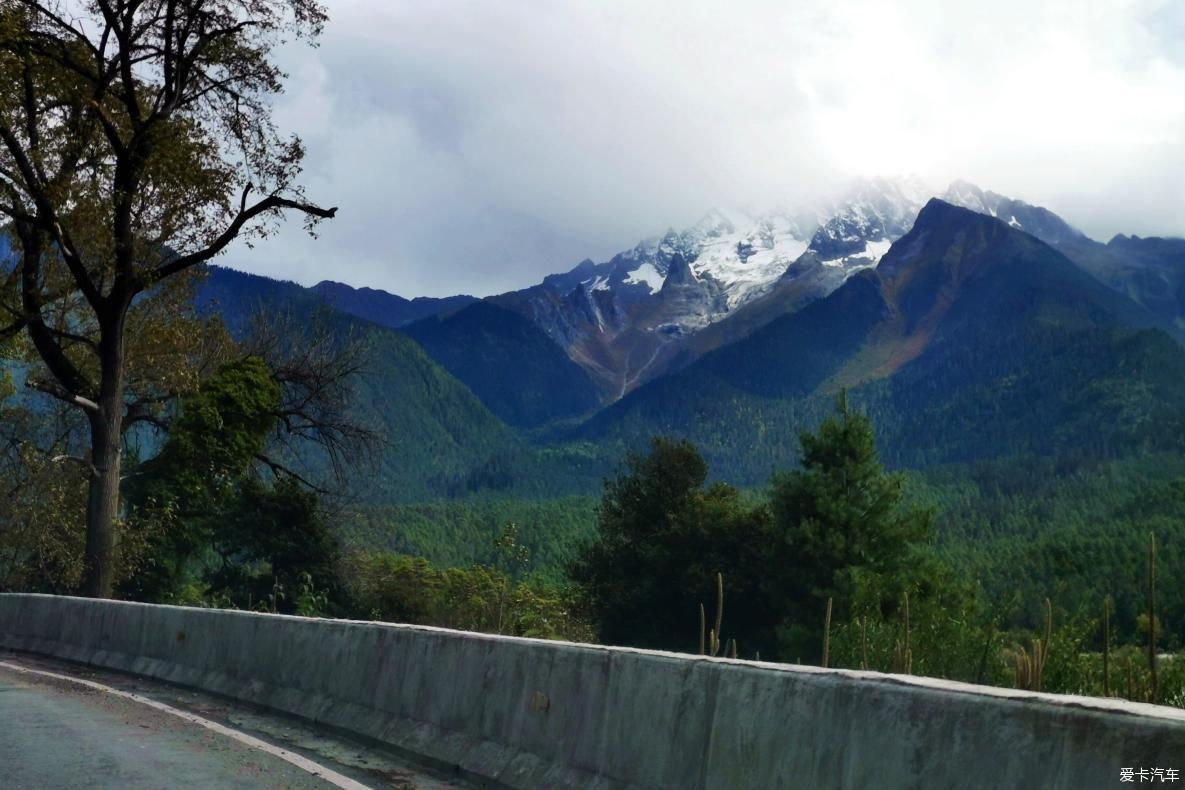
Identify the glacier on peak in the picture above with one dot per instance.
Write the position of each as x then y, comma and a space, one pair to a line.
740, 255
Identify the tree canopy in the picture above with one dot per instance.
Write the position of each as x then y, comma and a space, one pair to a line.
841, 528
662, 538
840, 518
835, 528
136, 142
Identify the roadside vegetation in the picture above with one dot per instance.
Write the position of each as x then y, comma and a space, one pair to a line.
839, 567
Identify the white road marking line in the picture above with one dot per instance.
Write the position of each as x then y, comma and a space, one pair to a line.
316, 769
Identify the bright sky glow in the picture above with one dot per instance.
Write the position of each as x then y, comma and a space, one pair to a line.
476, 146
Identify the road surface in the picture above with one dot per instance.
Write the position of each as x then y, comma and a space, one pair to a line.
65, 726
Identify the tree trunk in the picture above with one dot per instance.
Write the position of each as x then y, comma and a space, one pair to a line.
102, 507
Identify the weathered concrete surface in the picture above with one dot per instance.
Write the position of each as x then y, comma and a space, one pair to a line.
55, 735
527, 713
66, 725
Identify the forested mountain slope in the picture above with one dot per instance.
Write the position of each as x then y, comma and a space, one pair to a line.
386, 309
432, 429
516, 370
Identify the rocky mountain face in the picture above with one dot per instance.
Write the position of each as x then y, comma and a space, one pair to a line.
1151, 271
1034, 220
970, 339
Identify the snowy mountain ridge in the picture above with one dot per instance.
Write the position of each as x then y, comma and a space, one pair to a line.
633, 317
739, 256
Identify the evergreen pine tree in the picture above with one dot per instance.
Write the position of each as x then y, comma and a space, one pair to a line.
842, 528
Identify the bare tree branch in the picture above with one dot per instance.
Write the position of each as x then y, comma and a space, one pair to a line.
173, 265
62, 394
318, 368
278, 469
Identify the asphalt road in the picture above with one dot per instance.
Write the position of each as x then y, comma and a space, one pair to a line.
124, 732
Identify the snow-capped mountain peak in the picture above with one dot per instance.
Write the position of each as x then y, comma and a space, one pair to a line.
861, 225
738, 256
712, 225
675, 284
965, 194
628, 318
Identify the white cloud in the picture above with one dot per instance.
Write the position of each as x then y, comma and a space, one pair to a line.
475, 146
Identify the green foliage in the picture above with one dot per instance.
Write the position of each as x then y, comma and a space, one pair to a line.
662, 538
1027, 530
274, 539
311, 602
42, 496
842, 529
41, 531
837, 530
461, 533
1151, 621
182, 496
403, 589
512, 556
217, 532
224, 426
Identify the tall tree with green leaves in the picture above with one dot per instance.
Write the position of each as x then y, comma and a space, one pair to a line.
842, 528
273, 539
136, 142
216, 514
663, 535
184, 492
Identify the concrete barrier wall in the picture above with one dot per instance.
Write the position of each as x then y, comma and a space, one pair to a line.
531, 714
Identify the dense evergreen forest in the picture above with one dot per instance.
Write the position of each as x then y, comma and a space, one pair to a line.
1015, 550
1024, 528
1016, 531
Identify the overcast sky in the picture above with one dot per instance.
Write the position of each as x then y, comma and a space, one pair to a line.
476, 146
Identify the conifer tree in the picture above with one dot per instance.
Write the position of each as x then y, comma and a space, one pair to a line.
843, 531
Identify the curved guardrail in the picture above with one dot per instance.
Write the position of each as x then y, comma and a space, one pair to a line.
527, 713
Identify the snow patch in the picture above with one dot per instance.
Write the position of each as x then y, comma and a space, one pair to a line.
646, 275
873, 252
747, 263
877, 249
